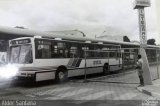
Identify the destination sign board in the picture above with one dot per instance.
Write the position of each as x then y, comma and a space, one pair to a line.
141, 3
22, 41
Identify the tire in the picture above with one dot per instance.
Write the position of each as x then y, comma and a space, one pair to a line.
106, 69
61, 75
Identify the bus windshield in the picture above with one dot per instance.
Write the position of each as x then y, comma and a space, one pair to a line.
21, 54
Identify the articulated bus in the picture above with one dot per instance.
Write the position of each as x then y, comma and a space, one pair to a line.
46, 58
41, 58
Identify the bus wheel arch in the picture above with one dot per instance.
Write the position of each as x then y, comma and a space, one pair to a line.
106, 69
61, 74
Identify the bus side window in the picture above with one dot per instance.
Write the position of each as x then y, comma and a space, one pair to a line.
54, 52
38, 50
43, 49
105, 54
84, 52
57, 49
90, 53
113, 54
80, 51
100, 52
119, 54
73, 51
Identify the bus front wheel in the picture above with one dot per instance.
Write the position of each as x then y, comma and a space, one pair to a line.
106, 69
61, 75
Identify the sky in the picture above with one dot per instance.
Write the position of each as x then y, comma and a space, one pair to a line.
93, 17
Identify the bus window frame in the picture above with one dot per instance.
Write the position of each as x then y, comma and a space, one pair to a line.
83, 45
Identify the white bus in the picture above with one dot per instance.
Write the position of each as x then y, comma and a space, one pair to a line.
41, 58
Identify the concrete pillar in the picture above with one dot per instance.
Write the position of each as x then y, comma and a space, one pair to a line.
146, 73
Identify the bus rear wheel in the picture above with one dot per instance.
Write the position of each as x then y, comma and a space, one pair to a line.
106, 69
61, 75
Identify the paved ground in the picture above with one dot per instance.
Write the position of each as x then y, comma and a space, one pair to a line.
152, 90
102, 90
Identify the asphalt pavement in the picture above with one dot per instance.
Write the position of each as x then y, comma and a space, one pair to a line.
118, 89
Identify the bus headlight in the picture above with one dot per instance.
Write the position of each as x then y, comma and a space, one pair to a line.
8, 71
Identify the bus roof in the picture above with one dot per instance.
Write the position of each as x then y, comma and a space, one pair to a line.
27, 32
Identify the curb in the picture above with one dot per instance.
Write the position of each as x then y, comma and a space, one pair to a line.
105, 76
148, 92
113, 75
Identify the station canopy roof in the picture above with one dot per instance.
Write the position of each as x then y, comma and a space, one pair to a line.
10, 33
